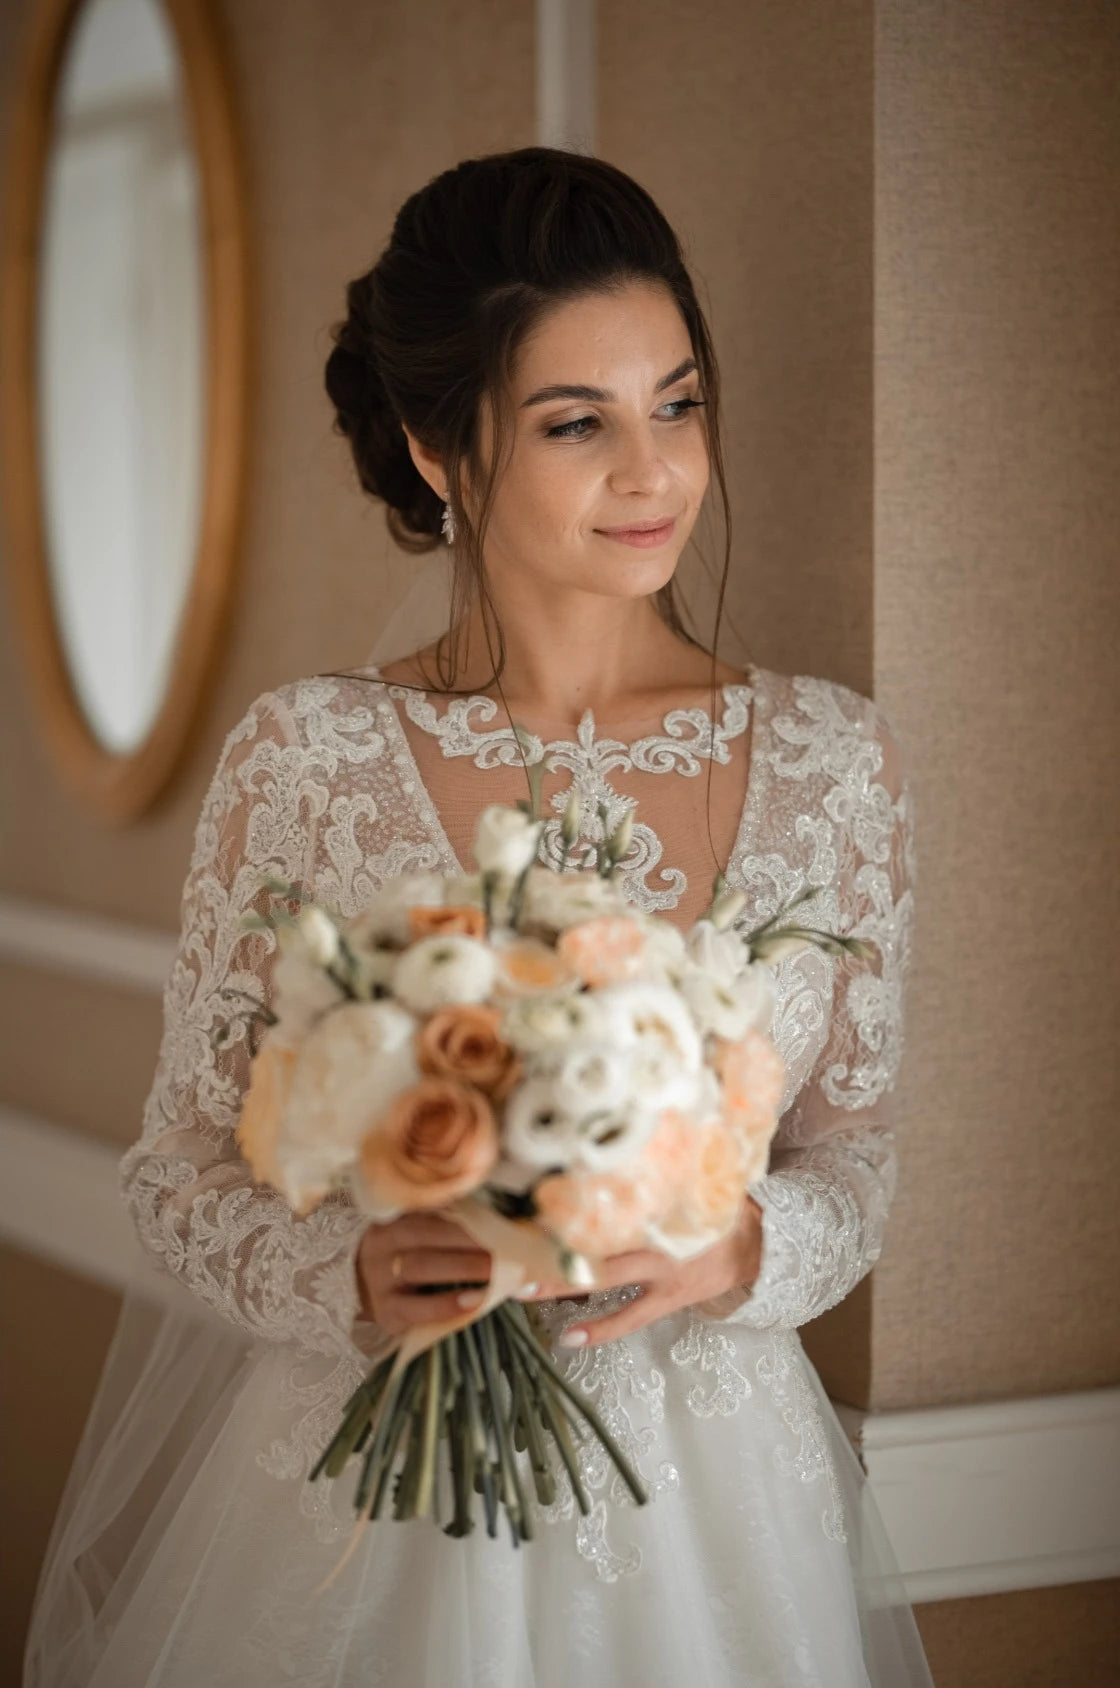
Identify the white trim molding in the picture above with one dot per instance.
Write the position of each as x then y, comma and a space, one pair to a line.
980, 1499
86, 946
976, 1499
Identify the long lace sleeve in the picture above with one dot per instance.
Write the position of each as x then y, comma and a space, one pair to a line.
833, 1165
236, 1245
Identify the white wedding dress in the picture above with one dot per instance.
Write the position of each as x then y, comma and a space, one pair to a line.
189, 1544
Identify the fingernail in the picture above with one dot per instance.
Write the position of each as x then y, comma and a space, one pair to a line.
471, 1298
573, 1338
526, 1291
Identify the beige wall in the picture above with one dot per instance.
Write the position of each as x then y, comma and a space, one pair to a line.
997, 614
903, 223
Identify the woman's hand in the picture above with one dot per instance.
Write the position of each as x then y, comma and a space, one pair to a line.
429, 1250
667, 1284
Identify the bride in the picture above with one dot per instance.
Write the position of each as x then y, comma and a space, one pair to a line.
526, 375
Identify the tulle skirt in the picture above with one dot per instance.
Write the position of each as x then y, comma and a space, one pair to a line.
189, 1546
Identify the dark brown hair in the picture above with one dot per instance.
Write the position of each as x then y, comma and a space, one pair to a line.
477, 257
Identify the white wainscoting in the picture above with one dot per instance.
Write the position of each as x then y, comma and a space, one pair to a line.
976, 1499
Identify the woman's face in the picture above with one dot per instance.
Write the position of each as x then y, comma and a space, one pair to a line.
628, 451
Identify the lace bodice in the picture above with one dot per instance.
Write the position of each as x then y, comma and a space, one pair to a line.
339, 783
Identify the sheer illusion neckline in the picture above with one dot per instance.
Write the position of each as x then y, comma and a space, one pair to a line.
563, 732
750, 815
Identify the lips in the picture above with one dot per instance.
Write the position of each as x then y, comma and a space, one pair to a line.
643, 533
641, 527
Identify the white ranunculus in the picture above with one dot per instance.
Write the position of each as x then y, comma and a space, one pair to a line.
720, 955
613, 1139
560, 900
537, 1025
648, 1014
446, 968
537, 1132
592, 1076
505, 840
347, 1071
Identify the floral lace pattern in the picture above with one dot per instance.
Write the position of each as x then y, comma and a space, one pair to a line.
317, 785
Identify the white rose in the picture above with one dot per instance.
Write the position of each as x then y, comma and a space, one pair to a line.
385, 918
505, 840
648, 1014
560, 900
347, 1070
665, 948
612, 1140
730, 1011
539, 1024
721, 955
445, 968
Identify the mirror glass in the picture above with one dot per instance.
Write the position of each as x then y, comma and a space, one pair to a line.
120, 362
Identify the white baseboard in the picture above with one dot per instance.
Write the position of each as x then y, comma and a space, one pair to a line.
85, 946
976, 1499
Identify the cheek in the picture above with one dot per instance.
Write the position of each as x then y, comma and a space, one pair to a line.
551, 497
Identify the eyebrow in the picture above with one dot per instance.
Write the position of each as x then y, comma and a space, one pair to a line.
599, 395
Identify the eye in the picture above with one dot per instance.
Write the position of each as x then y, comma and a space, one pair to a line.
568, 430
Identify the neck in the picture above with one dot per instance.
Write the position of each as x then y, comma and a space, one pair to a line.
609, 655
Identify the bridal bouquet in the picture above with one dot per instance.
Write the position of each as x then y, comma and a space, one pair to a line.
559, 1073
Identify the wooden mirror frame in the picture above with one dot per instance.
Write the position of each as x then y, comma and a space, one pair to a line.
119, 787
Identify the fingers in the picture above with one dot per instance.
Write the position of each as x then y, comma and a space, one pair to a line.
400, 1309
641, 1266
430, 1266
636, 1314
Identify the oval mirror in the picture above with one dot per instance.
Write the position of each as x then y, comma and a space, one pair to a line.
123, 342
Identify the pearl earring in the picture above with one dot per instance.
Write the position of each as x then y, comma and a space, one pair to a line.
448, 525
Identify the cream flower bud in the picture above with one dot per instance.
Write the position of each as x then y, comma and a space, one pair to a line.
570, 823
720, 955
319, 933
773, 949
505, 840
620, 839
726, 908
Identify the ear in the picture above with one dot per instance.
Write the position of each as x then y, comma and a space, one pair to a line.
429, 463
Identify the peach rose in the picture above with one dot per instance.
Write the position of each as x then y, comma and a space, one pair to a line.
595, 1213
753, 1075
610, 950
463, 1042
436, 1140
258, 1129
433, 922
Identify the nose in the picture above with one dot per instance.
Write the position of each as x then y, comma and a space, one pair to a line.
639, 465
